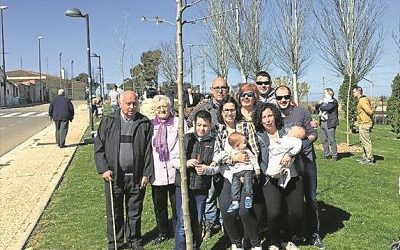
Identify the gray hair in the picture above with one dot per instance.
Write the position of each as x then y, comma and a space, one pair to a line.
61, 92
159, 98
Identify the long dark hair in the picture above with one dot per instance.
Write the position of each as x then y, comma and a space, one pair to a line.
229, 99
257, 115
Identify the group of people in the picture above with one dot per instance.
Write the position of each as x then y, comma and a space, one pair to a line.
250, 165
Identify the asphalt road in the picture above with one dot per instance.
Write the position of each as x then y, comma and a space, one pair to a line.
19, 124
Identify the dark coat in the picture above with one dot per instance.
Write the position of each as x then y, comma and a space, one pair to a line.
332, 109
202, 151
106, 147
61, 109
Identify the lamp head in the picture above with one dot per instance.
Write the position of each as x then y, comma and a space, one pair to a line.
3, 7
73, 12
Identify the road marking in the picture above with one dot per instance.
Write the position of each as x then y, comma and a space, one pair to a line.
41, 114
12, 114
27, 114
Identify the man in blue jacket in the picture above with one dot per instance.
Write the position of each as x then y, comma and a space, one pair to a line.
61, 111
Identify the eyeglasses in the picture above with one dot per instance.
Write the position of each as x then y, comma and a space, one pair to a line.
226, 111
248, 94
219, 88
286, 97
265, 83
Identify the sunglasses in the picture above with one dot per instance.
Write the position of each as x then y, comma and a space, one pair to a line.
265, 83
286, 97
248, 94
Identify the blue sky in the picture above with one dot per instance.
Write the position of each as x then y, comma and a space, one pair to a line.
25, 20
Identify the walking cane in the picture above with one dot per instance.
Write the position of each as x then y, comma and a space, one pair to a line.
112, 214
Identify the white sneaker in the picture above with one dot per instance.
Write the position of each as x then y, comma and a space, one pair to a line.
289, 246
256, 248
273, 247
234, 247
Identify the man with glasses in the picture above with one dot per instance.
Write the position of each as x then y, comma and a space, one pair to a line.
263, 81
219, 91
298, 116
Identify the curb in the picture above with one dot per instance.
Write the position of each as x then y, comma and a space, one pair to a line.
25, 237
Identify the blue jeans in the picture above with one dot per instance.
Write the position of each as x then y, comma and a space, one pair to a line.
247, 184
114, 108
212, 213
197, 202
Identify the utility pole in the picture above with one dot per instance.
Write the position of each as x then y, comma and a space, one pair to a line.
59, 55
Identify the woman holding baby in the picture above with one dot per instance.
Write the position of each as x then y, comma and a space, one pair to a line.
271, 137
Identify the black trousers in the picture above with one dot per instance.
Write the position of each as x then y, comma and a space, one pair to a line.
238, 223
61, 131
293, 197
128, 198
160, 196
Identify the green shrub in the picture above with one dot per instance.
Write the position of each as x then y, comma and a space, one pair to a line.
393, 107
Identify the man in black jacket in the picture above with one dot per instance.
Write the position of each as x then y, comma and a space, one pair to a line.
61, 111
123, 155
328, 117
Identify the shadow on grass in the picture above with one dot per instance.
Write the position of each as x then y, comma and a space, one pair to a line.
379, 158
331, 218
345, 155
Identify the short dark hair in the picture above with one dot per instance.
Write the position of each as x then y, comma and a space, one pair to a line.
263, 73
257, 115
359, 89
203, 114
151, 92
226, 100
284, 87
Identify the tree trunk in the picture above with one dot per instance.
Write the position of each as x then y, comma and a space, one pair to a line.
184, 185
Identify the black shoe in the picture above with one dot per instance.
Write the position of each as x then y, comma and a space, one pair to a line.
327, 156
317, 242
62, 146
161, 238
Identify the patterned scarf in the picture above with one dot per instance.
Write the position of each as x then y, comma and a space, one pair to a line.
160, 142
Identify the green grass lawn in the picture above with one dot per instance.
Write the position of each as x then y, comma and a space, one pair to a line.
359, 204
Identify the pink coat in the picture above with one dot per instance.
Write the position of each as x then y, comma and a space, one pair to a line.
164, 171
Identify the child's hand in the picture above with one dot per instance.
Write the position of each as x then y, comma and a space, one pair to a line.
201, 169
284, 171
192, 163
257, 172
213, 164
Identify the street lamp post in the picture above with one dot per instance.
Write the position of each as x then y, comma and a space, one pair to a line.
41, 93
101, 77
3, 7
74, 12
59, 55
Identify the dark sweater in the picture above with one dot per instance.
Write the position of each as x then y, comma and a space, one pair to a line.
61, 109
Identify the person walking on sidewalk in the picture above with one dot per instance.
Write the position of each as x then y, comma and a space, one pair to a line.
124, 156
364, 120
61, 111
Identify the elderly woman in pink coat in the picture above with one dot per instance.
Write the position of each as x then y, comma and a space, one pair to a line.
166, 161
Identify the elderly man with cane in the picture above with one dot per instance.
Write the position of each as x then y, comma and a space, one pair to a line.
123, 155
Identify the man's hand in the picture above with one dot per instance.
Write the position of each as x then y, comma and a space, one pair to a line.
241, 156
257, 172
314, 124
144, 182
107, 176
192, 163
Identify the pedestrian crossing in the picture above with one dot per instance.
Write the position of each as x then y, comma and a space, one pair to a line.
23, 114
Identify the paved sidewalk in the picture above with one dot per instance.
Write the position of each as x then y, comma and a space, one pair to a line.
28, 176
